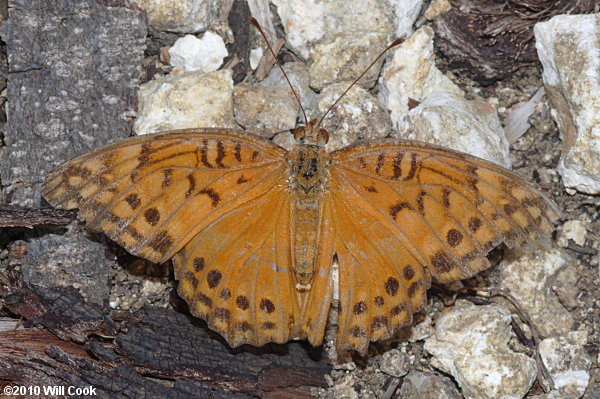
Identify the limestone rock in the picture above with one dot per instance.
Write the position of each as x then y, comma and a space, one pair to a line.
568, 47
186, 100
345, 57
573, 230
529, 277
255, 55
411, 74
406, 13
340, 44
568, 364
344, 389
298, 74
437, 8
359, 115
186, 16
269, 109
447, 119
471, 344
192, 54
420, 385
395, 363
285, 140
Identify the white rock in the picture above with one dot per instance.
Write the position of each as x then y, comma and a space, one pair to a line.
437, 8
394, 363
573, 89
255, 55
447, 119
422, 330
269, 109
358, 116
529, 277
297, 72
261, 10
340, 44
303, 22
406, 12
568, 364
192, 54
150, 287
186, 100
573, 230
345, 57
471, 344
443, 116
186, 16
411, 73
420, 385
285, 140
344, 389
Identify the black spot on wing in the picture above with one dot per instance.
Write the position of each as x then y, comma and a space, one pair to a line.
395, 209
212, 194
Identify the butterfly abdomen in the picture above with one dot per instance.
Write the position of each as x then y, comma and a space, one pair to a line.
309, 180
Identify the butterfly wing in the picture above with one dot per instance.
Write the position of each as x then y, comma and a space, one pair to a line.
152, 194
405, 212
236, 272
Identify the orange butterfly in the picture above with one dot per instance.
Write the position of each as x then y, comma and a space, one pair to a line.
254, 229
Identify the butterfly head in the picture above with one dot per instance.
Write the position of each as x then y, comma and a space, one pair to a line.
311, 134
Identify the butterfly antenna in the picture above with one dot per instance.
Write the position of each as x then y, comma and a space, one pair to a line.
388, 48
257, 25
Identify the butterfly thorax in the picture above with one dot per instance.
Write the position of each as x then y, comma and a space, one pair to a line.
309, 181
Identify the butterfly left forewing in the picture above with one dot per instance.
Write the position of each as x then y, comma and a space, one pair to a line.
153, 193
451, 207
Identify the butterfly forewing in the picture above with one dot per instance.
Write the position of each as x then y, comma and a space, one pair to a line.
450, 208
152, 194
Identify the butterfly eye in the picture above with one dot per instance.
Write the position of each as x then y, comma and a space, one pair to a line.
323, 136
300, 133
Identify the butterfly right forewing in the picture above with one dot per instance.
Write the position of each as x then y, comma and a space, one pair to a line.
153, 193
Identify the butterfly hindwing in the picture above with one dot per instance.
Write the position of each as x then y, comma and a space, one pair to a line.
316, 301
381, 282
153, 193
235, 274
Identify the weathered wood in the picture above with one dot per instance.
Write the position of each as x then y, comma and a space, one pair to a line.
18, 216
239, 24
491, 39
74, 67
154, 342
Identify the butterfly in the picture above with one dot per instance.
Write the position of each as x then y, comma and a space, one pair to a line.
261, 237
254, 230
